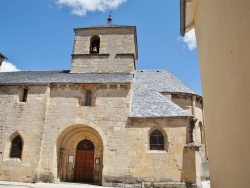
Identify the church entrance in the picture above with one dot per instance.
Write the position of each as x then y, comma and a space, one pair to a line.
84, 164
80, 155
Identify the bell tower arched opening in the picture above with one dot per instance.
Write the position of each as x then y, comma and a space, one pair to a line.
94, 44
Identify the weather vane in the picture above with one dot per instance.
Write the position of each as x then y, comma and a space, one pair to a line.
109, 18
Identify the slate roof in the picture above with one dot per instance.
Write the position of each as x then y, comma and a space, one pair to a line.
147, 100
160, 81
46, 77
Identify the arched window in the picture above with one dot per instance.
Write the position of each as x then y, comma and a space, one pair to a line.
88, 98
85, 145
156, 140
16, 147
94, 44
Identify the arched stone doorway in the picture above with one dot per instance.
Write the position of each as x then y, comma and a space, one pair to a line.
80, 155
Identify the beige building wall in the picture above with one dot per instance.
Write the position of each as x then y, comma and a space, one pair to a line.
223, 40
54, 120
26, 120
194, 105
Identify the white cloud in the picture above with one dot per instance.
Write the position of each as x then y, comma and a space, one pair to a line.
81, 7
189, 39
8, 67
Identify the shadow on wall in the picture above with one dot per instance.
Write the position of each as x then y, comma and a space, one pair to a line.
191, 173
188, 173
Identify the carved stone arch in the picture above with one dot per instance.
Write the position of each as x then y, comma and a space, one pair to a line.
154, 131
14, 141
67, 145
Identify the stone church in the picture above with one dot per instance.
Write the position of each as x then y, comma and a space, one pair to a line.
102, 121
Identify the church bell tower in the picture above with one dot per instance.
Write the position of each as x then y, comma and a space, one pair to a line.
104, 49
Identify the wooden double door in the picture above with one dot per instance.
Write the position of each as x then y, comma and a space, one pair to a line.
84, 163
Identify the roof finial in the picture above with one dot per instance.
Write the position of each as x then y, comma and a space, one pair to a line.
109, 18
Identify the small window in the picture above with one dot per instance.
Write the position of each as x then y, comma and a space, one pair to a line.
156, 140
88, 99
94, 44
16, 147
23, 95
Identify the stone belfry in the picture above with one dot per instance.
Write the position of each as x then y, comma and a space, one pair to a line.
104, 49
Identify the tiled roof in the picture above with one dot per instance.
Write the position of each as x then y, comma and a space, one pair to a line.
46, 77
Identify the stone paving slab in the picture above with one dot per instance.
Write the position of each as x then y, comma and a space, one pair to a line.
47, 185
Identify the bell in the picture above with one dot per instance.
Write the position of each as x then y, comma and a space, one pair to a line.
94, 49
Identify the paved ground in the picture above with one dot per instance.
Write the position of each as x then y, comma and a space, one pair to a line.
7, 184
46, 185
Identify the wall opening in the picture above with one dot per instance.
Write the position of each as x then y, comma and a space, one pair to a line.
16, 147
94, 44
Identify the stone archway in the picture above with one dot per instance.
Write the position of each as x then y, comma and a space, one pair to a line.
67, 143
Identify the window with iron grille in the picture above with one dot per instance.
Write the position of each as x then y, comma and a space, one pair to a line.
156, 140
88, 99
16, 147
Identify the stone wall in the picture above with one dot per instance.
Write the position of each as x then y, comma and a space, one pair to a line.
109, 112
117, 51
27, 120
54, 120
194, 105
108, 63
151, 165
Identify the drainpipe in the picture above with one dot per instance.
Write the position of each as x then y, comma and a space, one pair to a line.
182, 17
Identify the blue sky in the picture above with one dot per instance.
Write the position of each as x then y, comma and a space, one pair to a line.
38, 34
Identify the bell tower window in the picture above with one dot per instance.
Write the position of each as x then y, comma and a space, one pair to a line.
94, 44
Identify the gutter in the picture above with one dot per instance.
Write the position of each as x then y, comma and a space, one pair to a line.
182, 17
